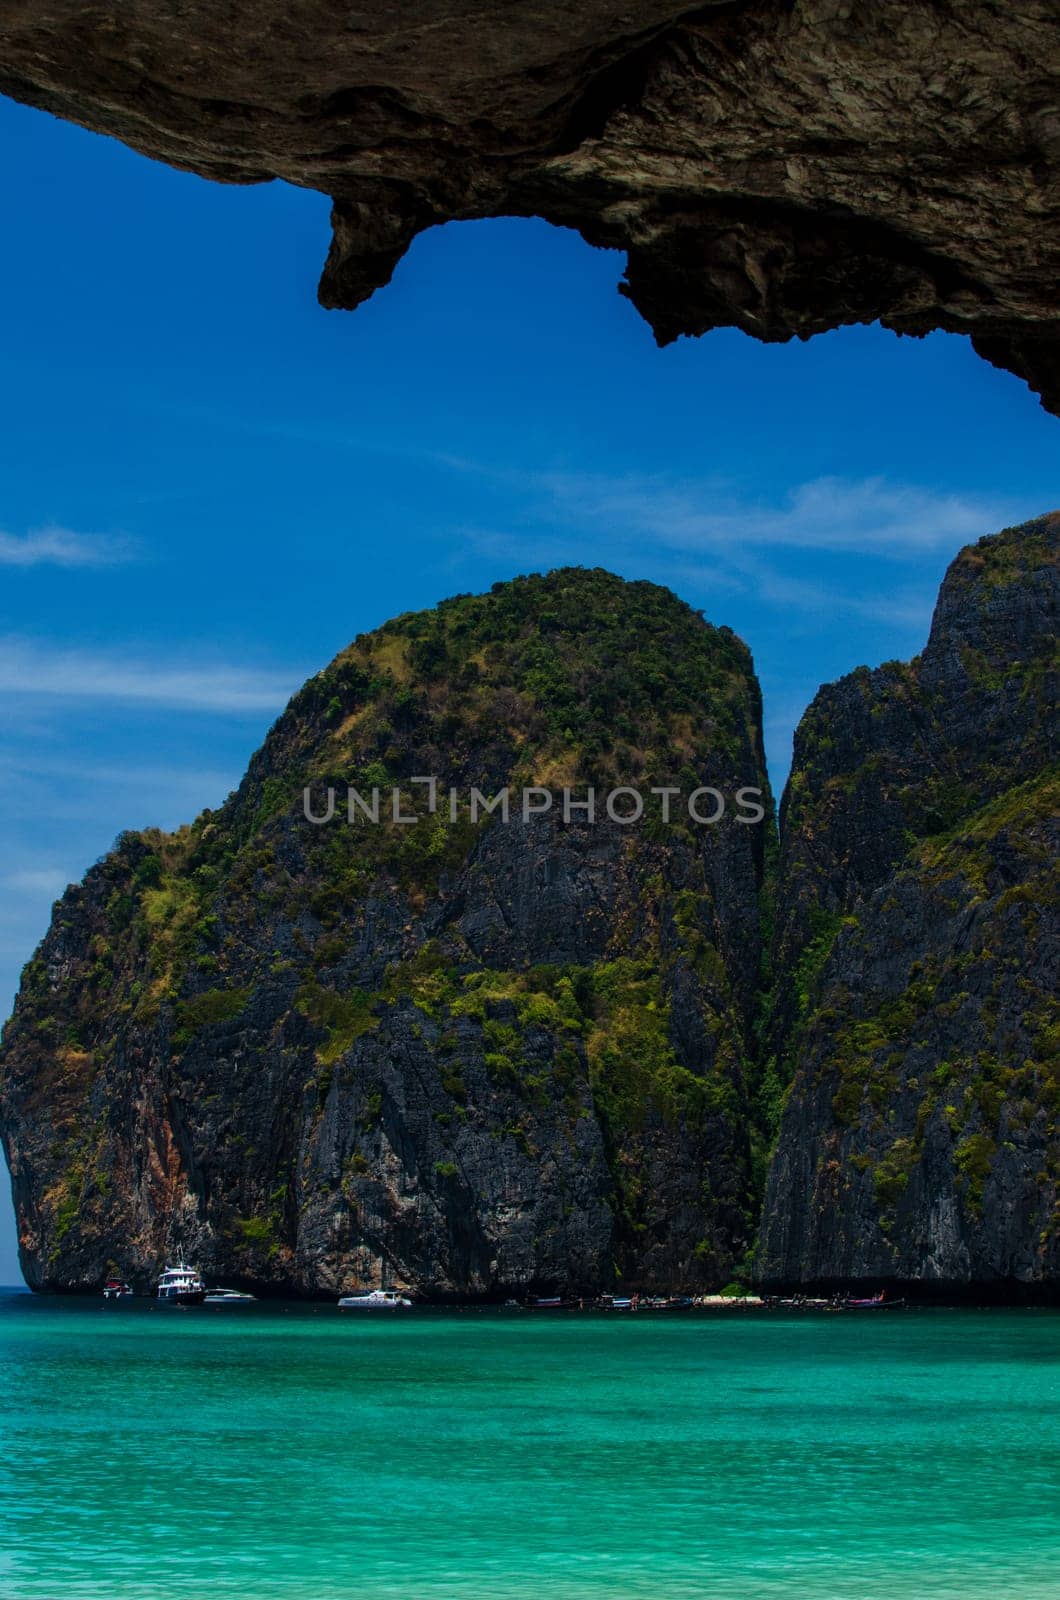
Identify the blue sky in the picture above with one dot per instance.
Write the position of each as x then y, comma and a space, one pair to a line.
208, 485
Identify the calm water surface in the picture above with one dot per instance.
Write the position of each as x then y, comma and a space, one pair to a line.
288, 1453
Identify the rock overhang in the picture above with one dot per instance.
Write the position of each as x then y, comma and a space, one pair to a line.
780, 167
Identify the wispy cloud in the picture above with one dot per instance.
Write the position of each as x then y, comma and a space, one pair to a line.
30, 669
708, 535
823, 514
117, 774
907, 606
59, 547
36, 789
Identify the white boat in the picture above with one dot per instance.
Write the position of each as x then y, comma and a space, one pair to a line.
374, 1300
182, 1286
227, 1297
116, 1289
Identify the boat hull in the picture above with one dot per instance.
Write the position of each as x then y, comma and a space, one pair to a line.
359, 1303
371, 1308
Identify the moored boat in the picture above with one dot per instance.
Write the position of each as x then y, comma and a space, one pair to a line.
182, 1286
876, 1302
227, 1297
729, 1302
644, 1302
375, 1300
801, 1302
116, 1289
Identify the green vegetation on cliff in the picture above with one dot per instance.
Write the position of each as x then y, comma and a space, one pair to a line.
915, 1009
464, 1020
477, 1055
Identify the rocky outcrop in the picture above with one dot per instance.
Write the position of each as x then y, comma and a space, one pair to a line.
916, 952
477, 1056
471, 1057
779, 168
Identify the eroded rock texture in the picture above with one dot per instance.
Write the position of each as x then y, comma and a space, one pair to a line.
775, 166
477, 1057
468, 1057
918, 951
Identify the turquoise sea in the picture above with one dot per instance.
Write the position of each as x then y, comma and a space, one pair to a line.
288, 1452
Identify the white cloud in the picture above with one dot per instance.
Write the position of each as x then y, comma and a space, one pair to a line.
823, 514
31, 669
908, 608
708, 536
118, 775
59, 547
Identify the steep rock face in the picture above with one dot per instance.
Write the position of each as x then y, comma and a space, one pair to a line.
916, 951
478, 1056
782, 168
469, 1057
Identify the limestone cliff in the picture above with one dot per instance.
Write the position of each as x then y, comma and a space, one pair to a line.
914, 1007
476, 1056
467, 1056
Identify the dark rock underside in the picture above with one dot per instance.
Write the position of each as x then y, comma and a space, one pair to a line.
782, 168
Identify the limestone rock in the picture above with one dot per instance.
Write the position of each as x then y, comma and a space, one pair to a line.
782, 168
916, 957
474, 1058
